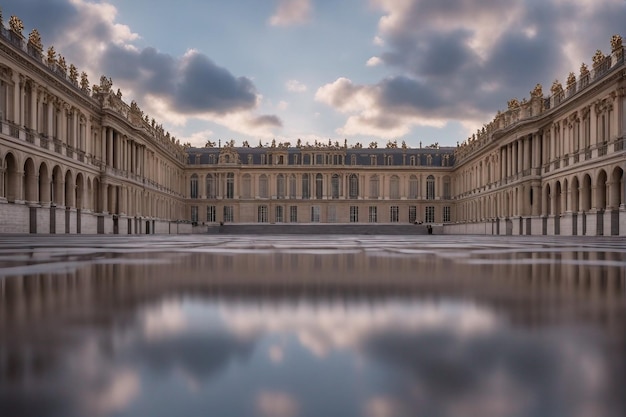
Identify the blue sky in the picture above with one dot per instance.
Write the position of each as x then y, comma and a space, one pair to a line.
422, 71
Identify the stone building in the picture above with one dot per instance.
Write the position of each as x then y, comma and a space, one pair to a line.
76, 158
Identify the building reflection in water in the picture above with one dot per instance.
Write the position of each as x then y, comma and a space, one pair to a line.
347, 331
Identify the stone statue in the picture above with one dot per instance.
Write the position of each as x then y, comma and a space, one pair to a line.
537, 92
105, 84
62, 64
584, 71
52, 55
513, 104
84, 82
598, 58
73, 74
571, 79
556, 88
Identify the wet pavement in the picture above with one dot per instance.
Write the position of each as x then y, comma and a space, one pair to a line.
312, 326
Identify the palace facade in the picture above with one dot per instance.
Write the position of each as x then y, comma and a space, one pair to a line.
77, 159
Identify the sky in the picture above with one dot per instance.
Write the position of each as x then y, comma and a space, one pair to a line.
419, 71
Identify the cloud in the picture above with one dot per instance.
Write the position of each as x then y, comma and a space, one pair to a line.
463, 59
295, 86
374, 61
291, 12
276, 404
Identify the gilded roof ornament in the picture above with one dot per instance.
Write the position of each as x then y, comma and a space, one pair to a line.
34, 39
0, 16
73, 74
16, 25
598, 58
84, 82
571, 79
616, 43
105, 84
537, 92
556, 87
61, 63
52, 55
513, 104
583, 70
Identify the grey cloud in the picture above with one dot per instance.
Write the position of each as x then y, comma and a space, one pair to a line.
50, 17
266, 120
192, 84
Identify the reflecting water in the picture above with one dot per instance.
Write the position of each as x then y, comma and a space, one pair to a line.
284, 326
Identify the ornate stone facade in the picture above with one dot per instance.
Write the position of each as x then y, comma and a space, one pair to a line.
78, 159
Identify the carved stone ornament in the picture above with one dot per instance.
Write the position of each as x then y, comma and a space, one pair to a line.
84, 82
34, 39
61, 63
105, 84
16, 25
616, 43
571, 79
73, 74
513, 103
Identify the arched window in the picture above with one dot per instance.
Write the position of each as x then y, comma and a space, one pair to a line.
292, 186
430, 188
194, 186
230, 185
374, 186
280, 185
211, 186
413, 186
263, 191
246, 184
335, 186
394, 187
319, 189
354, 186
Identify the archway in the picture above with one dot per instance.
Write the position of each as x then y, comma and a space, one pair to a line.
30, 182
11, 179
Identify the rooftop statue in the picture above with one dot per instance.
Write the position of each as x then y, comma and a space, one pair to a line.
537, 92
556, 88
84, 82
73, 74
616, 43
62, 64
52, 55
598, 58
583, 70
571, 79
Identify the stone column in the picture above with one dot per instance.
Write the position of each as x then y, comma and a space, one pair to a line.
33, 106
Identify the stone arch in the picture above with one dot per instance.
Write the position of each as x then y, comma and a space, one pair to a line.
31, 193
547, 199
575, 195
70, 189
96, 199
79, 191
585, 194
44, 184
616, 189
11, 178
57, 187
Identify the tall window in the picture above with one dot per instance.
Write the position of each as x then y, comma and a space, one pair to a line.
246, 184
229, 214
315, 214
430, 214
280, 214
373, 214
263, 191
374, 182
262, 214
334, 184
446, 214
413, 187
446, 188
394, 187
194, 187
230, 185
293, 214
394, 214
280, 186
211, 186
210, 213
194, 214
354, 214
352, 159
430, 188
319, 186
412, 214
332, 214
292, 186
306, 189
354, 186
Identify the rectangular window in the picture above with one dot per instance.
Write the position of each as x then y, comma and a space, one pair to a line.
229, 216
293, 214
354, 214
446, 214
262, 214
315, 214
412, 214
280, 216
194, 214
394, 214
210, 213
373, 214
332, 214
430, 214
